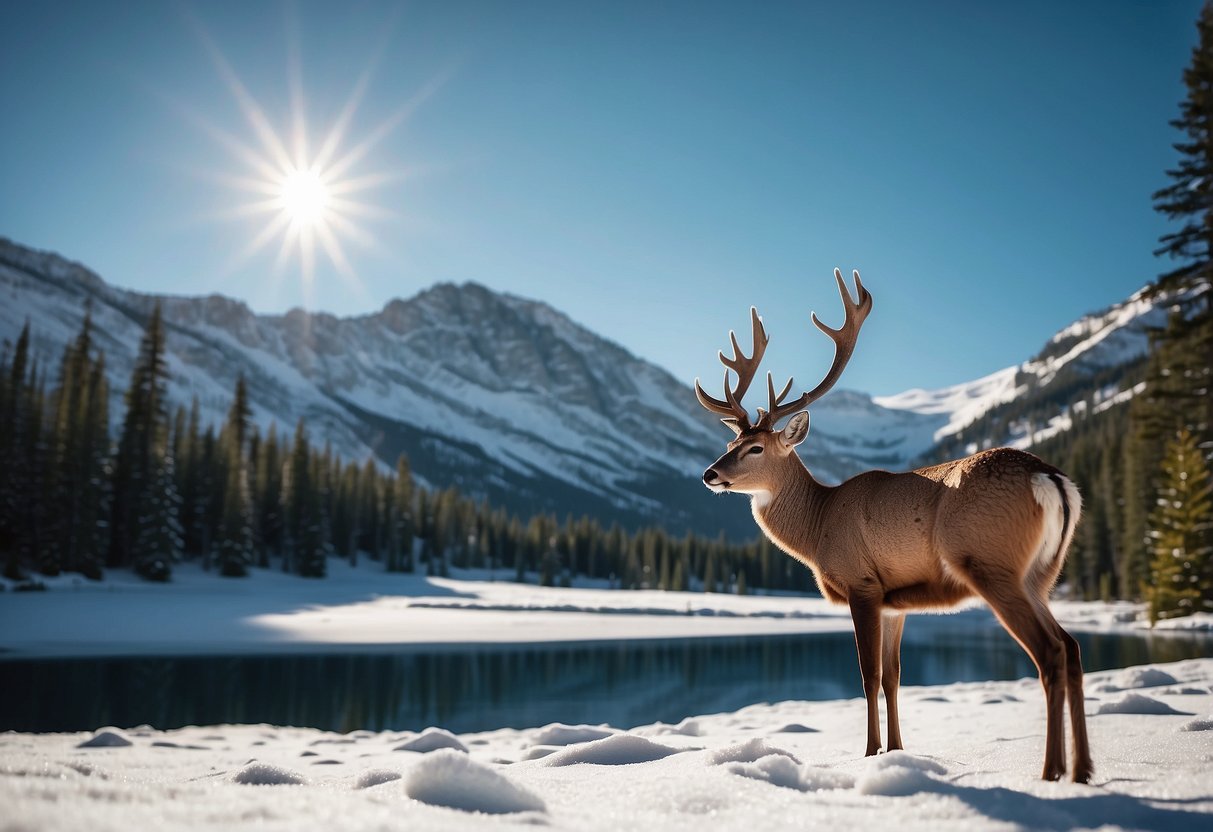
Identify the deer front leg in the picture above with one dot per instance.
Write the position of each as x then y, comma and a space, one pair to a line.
865, 613
891, 627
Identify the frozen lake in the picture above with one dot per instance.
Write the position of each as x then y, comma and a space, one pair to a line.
480, 687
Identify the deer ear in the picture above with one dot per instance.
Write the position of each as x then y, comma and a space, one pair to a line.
733, 424
796, 429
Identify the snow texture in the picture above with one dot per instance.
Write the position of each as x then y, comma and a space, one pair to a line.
106, 738
432, 739
201, 613
376, 777
560, 734
448, 778
265, 774
615, 750
1204, 723
1136, 703
969, 766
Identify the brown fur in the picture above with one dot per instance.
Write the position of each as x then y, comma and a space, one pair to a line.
886, 543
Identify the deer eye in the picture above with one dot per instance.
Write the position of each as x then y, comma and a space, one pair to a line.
757, 449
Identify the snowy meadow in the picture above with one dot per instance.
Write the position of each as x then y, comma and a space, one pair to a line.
972, 759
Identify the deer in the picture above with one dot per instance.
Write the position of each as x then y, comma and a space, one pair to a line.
993, 526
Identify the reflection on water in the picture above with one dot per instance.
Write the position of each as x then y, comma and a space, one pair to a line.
624, 683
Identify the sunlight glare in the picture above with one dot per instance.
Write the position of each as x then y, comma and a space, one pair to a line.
304, 197
314, 200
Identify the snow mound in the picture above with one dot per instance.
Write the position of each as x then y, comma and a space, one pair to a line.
1201, 723
374, 777
1145, 677
449, 778
616, 750
432, 739
795, 728
782, 771
1135, 703
688, 728
538, 752
106, 738
1197, 622
897, 774
264, 774
560, 734
749, 752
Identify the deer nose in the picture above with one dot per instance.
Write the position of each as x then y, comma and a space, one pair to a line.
710, 476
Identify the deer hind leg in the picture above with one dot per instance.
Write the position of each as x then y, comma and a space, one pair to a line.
1021, 617
865, 613
1083, 767
891, 626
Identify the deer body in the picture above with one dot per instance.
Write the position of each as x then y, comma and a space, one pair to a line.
994, 525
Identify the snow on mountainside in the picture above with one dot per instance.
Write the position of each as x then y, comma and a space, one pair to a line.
502, 396
510, 400
1068, 369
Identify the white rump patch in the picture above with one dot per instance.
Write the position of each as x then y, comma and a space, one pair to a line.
1044, 489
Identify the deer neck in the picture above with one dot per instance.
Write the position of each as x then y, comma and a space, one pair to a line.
790, 513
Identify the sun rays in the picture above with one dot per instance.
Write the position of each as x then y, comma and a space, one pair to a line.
311, 200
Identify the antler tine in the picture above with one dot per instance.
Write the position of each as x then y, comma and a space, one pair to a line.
745, 367
844, 338
713, 404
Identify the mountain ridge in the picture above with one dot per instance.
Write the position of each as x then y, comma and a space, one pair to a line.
511, 400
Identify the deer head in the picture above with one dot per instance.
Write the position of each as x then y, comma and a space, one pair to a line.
754, 457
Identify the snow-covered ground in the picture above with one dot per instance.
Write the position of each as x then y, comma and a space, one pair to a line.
975, 749
974, 756
366, 608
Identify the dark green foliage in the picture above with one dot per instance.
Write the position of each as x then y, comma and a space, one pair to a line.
1188, 200
236, 527
240, 498
77, 466
1181, 565
142, 518
304, 541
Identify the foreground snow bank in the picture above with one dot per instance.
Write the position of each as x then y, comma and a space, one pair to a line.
974, 756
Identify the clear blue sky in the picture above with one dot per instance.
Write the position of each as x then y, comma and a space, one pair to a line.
652, 169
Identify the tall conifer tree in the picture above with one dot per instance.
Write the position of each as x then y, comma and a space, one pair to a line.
236, 532
1181, 579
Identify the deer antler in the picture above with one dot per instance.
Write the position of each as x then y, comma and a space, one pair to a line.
844, 339
735, 415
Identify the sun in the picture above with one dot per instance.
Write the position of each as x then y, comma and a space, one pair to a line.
304, 197
311, 198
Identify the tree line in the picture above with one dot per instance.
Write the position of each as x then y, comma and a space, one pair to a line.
171, 489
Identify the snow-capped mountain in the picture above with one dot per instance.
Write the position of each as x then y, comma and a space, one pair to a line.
504, 397
1085, 368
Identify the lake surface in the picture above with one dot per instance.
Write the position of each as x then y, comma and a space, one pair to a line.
624, 683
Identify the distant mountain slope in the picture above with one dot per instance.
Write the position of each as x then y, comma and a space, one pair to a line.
510, 400
504, 397
1091, 365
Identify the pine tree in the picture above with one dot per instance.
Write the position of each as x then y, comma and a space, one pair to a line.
1182, 565
140, 517
305, 546
1189, 197
78, 451
1188, 200
236, 528
403, 526
158, 538
97, 473
268, 499
12, 428
190, 472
